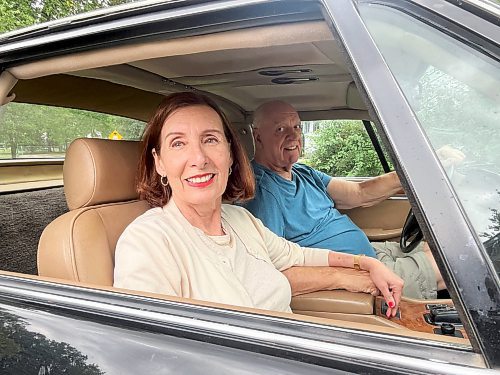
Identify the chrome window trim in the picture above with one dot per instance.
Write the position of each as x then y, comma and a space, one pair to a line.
236, 326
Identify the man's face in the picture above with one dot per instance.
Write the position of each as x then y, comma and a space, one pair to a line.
278, 139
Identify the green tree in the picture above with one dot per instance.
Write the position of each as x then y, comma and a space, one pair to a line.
491, 239
343, 148
48, 10
26, 352
16, 14
21, 13
495, 224
18, 126
35, 129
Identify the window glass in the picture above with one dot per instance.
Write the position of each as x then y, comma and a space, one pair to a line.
37, 131
340, 148
453, 91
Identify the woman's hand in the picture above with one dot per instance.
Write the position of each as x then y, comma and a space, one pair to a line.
389, 284
356, 281
311, 279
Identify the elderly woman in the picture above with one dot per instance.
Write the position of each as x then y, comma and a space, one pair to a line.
190, 244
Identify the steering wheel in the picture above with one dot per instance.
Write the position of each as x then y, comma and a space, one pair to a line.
478, 186
411, 235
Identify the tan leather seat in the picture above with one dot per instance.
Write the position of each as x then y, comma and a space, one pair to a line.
99, 184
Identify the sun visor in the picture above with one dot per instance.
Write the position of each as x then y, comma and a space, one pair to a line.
7, 83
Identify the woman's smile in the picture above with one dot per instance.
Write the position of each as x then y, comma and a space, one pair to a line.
201, 181
194, 156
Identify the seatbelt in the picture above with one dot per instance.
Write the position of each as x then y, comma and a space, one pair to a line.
373, 137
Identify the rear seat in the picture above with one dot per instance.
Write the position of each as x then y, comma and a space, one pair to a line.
23, 216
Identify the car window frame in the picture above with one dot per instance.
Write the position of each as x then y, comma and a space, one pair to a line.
332, 346
372, 76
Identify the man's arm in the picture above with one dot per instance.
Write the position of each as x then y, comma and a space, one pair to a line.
311, 279
350, 194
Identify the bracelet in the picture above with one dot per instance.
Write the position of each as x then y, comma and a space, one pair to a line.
357, 257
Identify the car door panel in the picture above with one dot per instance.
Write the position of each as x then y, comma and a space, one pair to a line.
382, 222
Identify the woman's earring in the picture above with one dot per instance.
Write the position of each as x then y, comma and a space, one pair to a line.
164, 181
230, 170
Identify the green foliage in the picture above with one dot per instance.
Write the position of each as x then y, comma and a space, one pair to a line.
53, 9
16, 14
36, 129
26, 352
30, 129
343, 148
495, 226
21, 13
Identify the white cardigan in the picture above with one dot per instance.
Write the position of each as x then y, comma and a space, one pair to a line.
161, 252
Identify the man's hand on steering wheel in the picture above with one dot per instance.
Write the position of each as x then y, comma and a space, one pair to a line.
450, 156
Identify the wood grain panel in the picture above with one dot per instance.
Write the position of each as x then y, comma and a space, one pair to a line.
412, 314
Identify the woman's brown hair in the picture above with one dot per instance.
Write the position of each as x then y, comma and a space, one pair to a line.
241, 182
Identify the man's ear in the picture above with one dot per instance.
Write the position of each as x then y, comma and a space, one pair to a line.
256, 136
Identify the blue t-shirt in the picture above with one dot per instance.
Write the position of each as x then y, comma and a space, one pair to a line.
301, 211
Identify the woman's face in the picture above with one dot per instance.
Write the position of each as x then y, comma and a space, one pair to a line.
195, 156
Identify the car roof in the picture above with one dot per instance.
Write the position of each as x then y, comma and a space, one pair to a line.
294, 58
130, 56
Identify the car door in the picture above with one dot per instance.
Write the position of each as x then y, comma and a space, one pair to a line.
406, 43
164, 334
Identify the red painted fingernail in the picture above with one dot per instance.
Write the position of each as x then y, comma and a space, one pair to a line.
391, 304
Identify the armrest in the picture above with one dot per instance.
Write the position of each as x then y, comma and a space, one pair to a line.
380, 234
335, 301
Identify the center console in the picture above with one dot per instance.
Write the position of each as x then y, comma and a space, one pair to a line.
432, 316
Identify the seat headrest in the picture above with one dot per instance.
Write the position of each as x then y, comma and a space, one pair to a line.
98, 171
244, 132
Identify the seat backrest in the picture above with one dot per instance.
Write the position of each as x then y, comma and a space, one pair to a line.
99, 185
244, 132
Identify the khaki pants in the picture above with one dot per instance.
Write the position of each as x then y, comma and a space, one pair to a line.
414, 268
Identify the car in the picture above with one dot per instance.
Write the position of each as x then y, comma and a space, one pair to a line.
415, 74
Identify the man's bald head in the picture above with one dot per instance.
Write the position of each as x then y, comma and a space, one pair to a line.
265, 113
278, 136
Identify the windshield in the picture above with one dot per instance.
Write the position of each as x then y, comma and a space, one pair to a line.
453, 90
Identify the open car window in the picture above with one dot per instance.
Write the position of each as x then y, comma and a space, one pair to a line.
341, 148
31, 131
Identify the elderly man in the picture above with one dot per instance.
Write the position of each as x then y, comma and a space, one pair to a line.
300, 204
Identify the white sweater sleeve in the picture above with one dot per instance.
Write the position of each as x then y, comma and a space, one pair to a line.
143, 262
285, 254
